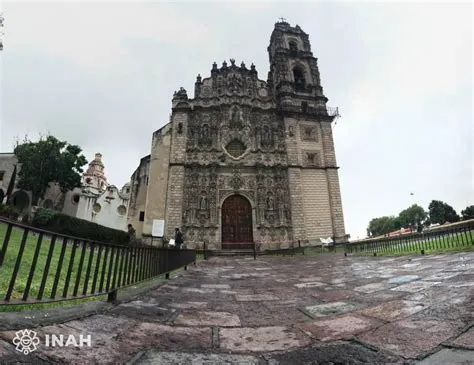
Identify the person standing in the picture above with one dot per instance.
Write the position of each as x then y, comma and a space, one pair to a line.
178, 238
131, 234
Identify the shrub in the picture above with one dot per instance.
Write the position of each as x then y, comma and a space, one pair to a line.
53, 221
9, 212
43, 216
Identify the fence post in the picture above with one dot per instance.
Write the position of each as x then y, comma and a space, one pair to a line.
254, 250
112, 296
204, 248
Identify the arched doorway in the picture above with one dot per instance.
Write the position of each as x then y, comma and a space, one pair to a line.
21, 200
236, 223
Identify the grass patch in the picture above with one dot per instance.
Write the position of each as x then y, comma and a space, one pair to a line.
427, 252
50, 305
452, 242
71, 266
70, 256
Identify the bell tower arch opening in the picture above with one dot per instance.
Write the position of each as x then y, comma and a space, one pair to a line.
298, 76
236, 223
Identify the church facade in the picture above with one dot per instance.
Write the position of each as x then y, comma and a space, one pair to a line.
246, 160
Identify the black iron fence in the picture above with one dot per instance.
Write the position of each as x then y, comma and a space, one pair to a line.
39, 266
443, 237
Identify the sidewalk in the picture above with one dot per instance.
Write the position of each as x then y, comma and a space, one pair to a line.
284, 310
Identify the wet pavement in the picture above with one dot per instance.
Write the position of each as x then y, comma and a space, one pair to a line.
322, 309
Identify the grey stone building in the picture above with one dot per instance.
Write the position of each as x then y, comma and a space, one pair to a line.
246, 160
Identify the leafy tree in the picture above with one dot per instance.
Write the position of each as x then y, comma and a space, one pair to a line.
440, 212
468, 212
381, 225
412, 217
48, 161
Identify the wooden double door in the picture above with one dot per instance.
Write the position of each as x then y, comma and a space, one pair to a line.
236, 223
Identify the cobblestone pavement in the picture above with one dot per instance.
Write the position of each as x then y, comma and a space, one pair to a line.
322, 309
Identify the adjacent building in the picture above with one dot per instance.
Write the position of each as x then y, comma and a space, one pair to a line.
246, 160
96, 200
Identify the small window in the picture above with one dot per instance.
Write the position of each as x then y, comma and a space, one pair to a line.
76, 198
293, 48
2, 175
180, 128
304, 106
312, 159
235, 148
122, 210
127, 190
298, 76
96, 208
142, 216
48, 204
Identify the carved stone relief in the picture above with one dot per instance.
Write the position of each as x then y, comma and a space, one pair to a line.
312, 158
308, 132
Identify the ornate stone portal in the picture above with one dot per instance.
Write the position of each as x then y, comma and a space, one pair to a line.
231, 151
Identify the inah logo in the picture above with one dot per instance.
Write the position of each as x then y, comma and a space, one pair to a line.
26, 341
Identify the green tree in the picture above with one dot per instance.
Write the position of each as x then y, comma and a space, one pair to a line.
411, 217
48, 161
440, 212
468, 212
381, 225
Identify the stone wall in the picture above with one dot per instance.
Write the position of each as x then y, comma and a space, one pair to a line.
138, 195
336, 203
7, 164
174, 204
158, 177
297, 204
318, 220
110, 209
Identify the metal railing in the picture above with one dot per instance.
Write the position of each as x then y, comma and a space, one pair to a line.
444, 237
298, 107
40, 266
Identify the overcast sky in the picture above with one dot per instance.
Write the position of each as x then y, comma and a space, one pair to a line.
101, 75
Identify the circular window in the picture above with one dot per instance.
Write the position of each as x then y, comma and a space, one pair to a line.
235, 148
121, 210
96, 208
88, 180
76, 198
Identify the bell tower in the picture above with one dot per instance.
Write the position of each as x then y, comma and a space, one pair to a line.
295, 83
294, 71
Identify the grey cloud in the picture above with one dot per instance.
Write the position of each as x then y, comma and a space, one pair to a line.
102, 76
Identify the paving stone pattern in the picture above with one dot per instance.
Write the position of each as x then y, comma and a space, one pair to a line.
322, 309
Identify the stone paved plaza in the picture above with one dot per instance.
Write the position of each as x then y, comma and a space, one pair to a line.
320, 309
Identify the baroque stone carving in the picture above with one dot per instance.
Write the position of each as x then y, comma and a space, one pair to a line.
236, 182
312, 158
308, 133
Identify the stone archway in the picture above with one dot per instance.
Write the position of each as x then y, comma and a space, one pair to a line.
21, 200
236, 223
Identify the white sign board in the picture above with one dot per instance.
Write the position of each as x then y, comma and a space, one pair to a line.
158, 228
